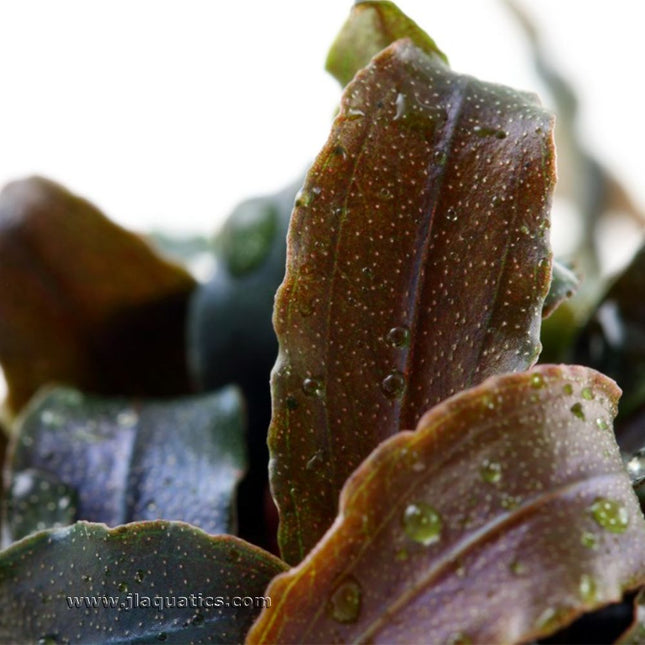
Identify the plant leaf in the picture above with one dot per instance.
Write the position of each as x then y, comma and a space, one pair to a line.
635, 635
506, 514
564, 283
84, 302
128, 565
370, 28
613, 341
116, 461
231, 337
417, 265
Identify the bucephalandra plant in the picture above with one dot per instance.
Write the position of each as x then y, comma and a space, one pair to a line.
433, 483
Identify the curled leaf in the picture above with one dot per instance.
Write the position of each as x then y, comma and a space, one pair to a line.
505, 515
84, 302
141, 583
370, 28
418, 262
117, 461
613, 341
564, 283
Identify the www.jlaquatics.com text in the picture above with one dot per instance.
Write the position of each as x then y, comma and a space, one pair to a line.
132, 601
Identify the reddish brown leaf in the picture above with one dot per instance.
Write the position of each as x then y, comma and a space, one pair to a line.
418, 263
84, 302
505, 515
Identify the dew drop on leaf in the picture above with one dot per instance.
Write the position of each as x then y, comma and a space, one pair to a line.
577, 411
517, 568
312, 387
398, 337
491, 471
588, 540
602, 424
459, 639
393, 385
587, 393
422, 523
587, 588
139, 575
568, 389
537, 381
123, 587
610, 514
344, 603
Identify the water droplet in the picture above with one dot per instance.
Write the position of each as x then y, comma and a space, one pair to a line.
587, 393
162, 636
393, 385
340, 151
123, 587
386, 193
151, 507
537, 380
481, 131
440, 157
577, 411
588, 540
401, 555
312, 387
344, 603
459, 639
353, 113
139, 575
610, 514
398, 337
292, 403
587, 589
400, 106
304, 198
422, 523
568, 389
602, 424
491, 471
315, 460
636, 467
509, 502
451, 214
488, 401
547, 619
517, 568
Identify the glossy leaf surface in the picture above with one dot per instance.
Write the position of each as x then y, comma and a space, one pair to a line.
122, 570
505, 515
418, 262
84, 302
613, 341
230, 334
370, 28
116, 461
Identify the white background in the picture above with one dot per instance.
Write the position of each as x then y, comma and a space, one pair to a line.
167, 113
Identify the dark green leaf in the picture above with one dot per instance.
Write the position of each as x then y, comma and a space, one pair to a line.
146, 562
504, 516
116, 461
84, 302
231, 337
613, 341
418, 263
635, 635
370, 28
564, 283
